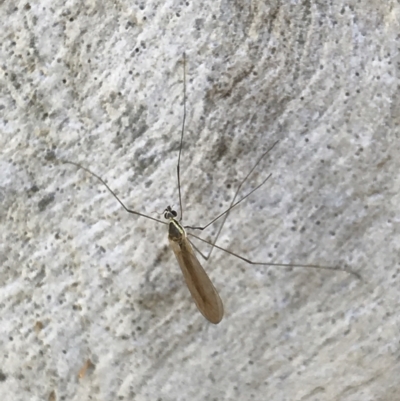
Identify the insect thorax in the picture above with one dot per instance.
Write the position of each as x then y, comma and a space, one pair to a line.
175, 231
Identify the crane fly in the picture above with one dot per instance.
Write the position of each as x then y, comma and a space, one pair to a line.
204, 294
200, 286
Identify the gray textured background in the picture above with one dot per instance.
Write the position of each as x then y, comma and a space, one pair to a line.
101, 83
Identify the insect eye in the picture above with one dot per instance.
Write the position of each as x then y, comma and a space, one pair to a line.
174, 213
165, 215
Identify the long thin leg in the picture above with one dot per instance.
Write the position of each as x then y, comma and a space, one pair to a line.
178, 167
112, 192
230, 208
198, 250
236, 194
233, 204
251, 262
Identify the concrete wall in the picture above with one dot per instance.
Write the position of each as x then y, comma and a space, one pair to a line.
101, 83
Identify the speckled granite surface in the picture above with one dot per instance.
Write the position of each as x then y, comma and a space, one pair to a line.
100, 83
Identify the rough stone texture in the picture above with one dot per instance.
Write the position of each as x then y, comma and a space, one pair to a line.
100, 83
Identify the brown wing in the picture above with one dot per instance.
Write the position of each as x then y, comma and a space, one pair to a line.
200, 286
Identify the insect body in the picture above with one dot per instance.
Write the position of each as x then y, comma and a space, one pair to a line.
200, 286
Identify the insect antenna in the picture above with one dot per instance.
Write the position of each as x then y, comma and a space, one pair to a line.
178, 166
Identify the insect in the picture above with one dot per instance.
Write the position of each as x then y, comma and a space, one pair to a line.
199, 284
